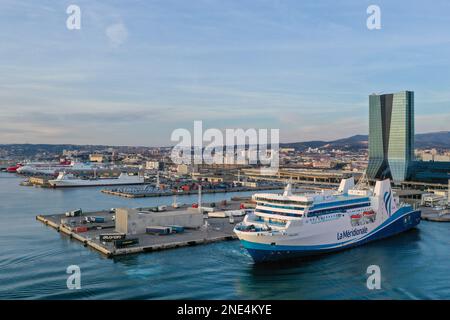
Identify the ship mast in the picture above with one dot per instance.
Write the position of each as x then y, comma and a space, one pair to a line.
363, 182
288, 190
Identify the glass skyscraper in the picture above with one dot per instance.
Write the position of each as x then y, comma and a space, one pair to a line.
391, 136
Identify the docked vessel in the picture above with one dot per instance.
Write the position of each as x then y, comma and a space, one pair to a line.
69, 180
13, 169
288, 226
49, 168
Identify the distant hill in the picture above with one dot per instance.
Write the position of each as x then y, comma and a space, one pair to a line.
423, 141
433, 140
28, 150
354, 142
439, 140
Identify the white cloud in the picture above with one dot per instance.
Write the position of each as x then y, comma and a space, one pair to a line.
117, 34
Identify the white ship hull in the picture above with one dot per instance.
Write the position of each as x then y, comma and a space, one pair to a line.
62, 182
51, 169
312, 235
305, 241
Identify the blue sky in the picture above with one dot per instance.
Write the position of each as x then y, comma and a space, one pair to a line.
137, 70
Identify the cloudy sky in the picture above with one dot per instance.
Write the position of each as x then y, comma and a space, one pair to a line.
137, 70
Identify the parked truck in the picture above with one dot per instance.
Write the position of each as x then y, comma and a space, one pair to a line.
74, 213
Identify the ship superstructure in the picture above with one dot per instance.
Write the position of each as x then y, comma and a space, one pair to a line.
288, 225
69, 180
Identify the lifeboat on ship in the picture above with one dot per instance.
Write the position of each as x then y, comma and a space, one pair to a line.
356, 219
370, 215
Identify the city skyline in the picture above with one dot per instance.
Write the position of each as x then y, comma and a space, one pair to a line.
133, 74
222, 156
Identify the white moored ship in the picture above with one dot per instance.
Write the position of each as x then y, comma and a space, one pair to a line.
287, 225
48, 168
69, 180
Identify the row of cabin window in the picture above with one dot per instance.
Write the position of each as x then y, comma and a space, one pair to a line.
319, 212
302, 203
281, 207
336, 210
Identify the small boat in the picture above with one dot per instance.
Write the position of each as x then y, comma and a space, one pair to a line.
369, 214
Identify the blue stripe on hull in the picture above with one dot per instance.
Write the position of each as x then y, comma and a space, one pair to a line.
395, 225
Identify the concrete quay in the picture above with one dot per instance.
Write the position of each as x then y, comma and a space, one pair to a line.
431, 214
216, 229
132, 194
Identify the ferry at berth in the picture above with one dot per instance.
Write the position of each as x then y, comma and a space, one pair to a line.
69, 180
290, 226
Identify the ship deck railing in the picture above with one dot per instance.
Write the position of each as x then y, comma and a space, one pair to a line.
259, 220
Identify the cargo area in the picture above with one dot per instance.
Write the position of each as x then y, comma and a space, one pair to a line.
120, 231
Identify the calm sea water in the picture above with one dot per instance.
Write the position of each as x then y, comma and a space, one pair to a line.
34, 258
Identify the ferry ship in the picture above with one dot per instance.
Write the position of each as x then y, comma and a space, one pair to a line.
69, 180
49, 168
290, 226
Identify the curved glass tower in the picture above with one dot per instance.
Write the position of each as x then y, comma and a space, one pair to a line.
391, 135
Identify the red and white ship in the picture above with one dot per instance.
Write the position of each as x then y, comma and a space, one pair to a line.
13, 169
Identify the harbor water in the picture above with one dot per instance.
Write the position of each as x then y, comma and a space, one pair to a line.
34, 259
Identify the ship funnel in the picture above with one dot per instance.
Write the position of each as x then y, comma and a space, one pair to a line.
346, 185
386, 201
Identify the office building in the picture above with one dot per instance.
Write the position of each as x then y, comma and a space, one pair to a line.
391, 143
391, 136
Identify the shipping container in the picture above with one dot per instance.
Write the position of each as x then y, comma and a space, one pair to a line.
74, 213
99, 219
80, 229
126, 242
94, 219
159, 230
176, 229
217, 214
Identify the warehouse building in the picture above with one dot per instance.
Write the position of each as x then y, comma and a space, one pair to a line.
135, 221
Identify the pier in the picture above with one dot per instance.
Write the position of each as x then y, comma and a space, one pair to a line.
431, 214
215, 230
130, 192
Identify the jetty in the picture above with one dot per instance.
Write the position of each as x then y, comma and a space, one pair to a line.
431, 214
143, 192
129, 227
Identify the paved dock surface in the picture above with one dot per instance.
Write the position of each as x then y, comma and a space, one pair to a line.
431, 214
216, 229
131, 192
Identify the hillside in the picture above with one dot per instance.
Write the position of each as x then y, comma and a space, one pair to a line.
423, 141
